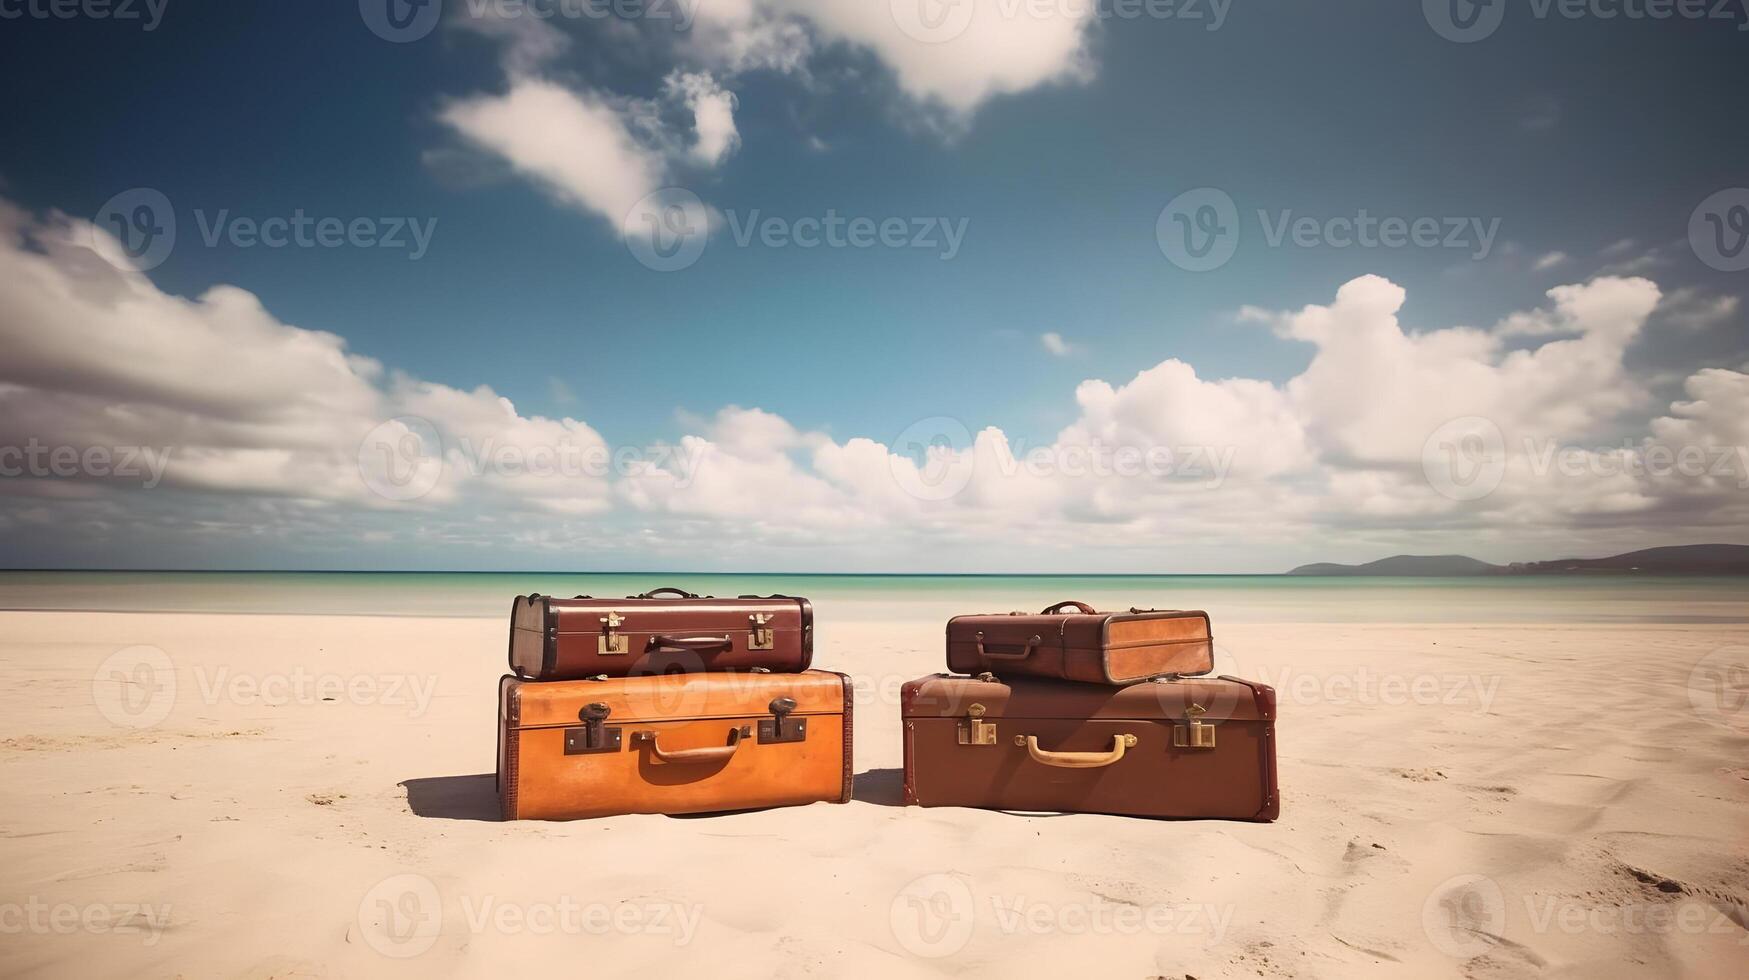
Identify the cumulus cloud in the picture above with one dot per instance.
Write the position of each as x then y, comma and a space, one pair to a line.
267, 424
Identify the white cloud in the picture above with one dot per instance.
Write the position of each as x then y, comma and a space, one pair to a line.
265, 420
1055, 343
713, 112
1550, 260
577, 145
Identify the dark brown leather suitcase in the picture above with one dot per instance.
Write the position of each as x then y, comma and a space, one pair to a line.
665, 631
1083, 645
1190, 747
672, 743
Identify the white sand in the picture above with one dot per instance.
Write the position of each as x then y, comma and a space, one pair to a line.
257, 830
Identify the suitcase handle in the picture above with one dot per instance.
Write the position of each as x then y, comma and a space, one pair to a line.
717, 754
1031, 645
667, 590
1081, 607
697, 644
1076, 760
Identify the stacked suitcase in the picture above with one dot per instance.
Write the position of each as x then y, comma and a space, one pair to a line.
1080, 711
667, 702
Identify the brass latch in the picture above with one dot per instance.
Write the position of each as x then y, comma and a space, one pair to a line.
594, 736
1194, 733
762, 638
612, 641
974, 730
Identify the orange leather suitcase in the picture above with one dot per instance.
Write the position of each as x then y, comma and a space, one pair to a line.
1071, 641
672, 743
1190, 747
662, 631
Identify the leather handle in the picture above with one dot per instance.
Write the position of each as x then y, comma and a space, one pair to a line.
1081, 607
1076, 760
697, 644
1025, 652
667, 590
719, 753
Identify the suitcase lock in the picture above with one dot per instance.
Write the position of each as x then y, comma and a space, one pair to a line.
594, 736
974, 730
612, 641
1194, 733
777, 728
762, 633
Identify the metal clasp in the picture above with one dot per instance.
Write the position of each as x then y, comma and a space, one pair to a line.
762, 638
1194, 733
594, 736
778, 728
610, 640
974, 730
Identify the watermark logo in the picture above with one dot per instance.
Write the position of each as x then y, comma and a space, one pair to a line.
1464, 916
933, 916
933, 21
143, 221
39, 460
39, 918
1198, 230
1718, 688
1718, 230
401, 21
401, 459
667, 229
402, 916
1465, 459
135, 687
931, 458
147, 13
1464, 21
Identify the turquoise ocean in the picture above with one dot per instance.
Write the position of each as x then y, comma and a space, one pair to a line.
1229, 598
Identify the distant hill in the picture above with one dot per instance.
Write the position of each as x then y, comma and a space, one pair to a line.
1691, 559
1406, 565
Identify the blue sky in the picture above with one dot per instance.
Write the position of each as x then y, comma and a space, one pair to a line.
1053, 139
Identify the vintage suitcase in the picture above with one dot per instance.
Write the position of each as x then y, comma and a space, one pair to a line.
665, 631
1083, 645
1190, 747
672, 743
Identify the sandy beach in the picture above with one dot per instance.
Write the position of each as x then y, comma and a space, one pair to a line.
311, 796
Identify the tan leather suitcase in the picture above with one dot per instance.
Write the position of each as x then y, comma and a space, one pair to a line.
1083, 645
1192, 747
664, 631
672, 743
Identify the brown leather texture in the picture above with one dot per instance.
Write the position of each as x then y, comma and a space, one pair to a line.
686, 743
664, 633
1073, 763
1078, 644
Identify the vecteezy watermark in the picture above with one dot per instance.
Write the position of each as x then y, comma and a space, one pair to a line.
1465, 459
401, 21
936, 458
667, 230
1718, 688
1199, 230
404, 915
1718, 230
147, 13
1467, 21
404, 458
936, 915
40, 460
1467, 916
940, 21
138, 686
145, 223
1364, 686
39, 918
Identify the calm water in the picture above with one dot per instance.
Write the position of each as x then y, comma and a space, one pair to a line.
1232, 598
